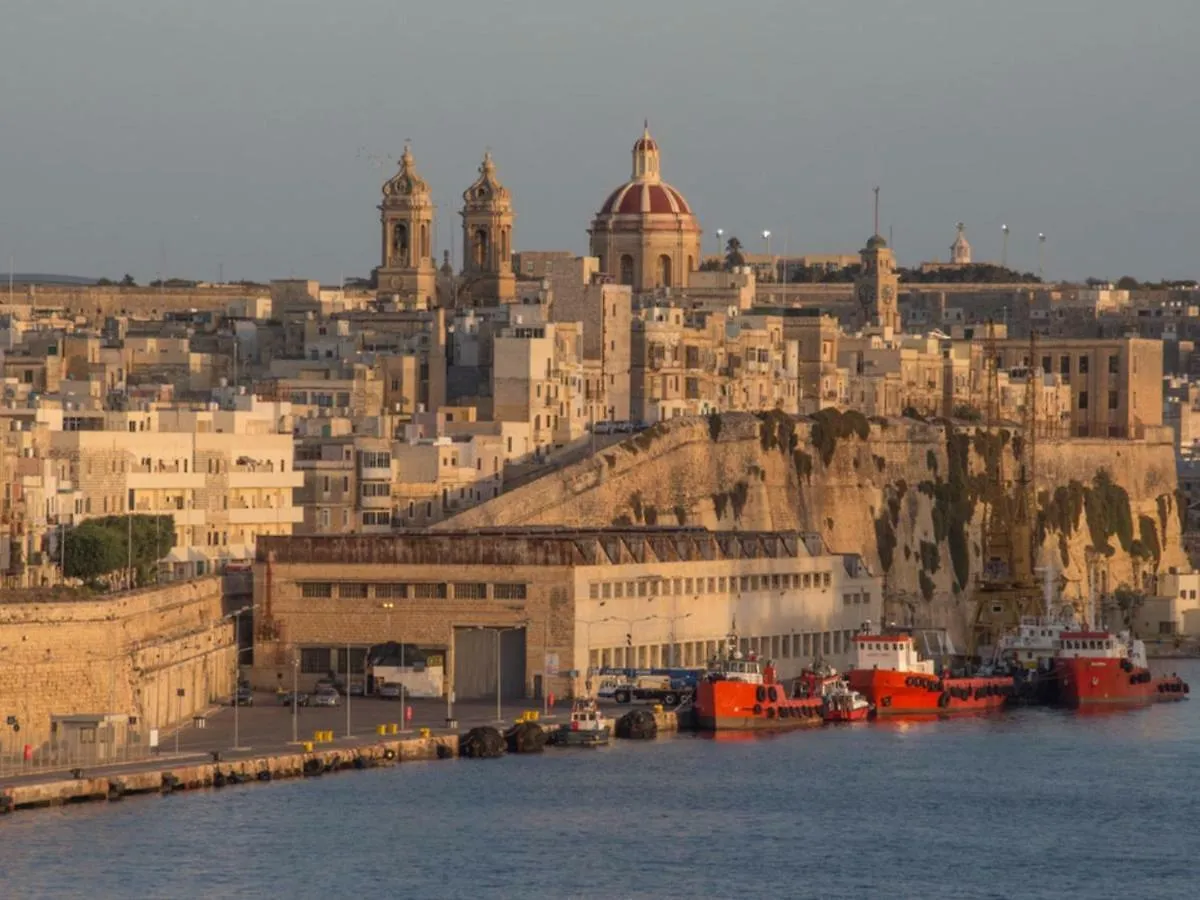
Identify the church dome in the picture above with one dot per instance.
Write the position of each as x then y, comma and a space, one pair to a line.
646, 194
636, 197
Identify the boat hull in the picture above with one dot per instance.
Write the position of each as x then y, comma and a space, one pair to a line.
834, 716
1172, 688
568, 738
905, 694
1102, 681
739, 706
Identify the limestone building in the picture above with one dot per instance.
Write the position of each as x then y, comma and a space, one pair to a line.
406, 224
575, 599
645, 234
487, 221
960, 250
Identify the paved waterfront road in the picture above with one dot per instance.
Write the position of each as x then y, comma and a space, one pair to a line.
266, 727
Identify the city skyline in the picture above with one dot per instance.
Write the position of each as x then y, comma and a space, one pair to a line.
253, 143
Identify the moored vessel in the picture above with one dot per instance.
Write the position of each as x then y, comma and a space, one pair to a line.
741, 693
891, 674
839, 701
587, 726
1099, 668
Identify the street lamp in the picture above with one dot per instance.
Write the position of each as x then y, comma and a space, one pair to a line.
720, 242
767, 238
629, 623
236, 615
1004, 248
295, 695
673, 619
587, 651
1041, 252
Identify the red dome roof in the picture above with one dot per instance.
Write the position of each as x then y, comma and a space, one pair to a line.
641, 197
646, 143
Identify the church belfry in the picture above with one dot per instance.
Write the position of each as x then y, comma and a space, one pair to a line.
487, 216
406, 220
877, 285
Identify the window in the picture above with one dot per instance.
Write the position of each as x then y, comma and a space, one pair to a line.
429, 591
1064, 365
315, 660
607, 590
375, 460
593, 591
470, 591
377, 518
619, 590
1114, 364
1083, 400
352, 590
509, 591
1114, 400
316, 590
376, 488
826, 579
1083, 365
1047, 364
721, 584
391, 591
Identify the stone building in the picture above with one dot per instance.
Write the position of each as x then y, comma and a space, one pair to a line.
568, 600
645, 234
487, 221
878, 286
406, 263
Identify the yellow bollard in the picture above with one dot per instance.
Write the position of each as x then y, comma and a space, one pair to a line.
381, 729
328, 736
317, 736
658, 707
393, 728
308, 746
425, 732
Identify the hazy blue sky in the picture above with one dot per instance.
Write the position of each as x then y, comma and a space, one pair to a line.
214, 132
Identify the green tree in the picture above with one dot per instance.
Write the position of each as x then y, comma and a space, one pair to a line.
1127, 283
92, 551
128, 281
733, 253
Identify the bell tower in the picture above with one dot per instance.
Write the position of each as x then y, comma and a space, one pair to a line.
877, 286
406, 221
487, 216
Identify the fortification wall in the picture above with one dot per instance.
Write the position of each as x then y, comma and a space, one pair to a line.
130, 653
911, 498
93, 301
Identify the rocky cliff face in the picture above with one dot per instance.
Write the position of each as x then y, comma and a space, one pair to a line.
912, 498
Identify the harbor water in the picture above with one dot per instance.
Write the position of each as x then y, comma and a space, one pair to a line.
1030, 803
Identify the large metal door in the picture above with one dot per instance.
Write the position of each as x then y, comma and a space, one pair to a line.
475, 663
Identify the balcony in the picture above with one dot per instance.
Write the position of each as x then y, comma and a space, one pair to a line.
384, 502
264, 515
160, 476
264, 477
181, 516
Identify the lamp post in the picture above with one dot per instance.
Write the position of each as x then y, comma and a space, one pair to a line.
720, 242
587, 651
629, 623
349, 733
499, 672
767, 240
1041, 253
295, 697
1004, 248
673, 619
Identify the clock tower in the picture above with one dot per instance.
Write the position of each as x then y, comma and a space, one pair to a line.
877, 286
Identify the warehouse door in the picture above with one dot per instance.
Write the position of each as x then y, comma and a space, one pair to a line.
475, 663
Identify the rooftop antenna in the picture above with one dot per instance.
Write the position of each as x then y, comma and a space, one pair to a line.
876, 210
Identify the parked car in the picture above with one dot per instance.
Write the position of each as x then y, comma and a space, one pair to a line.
390, 692
357, 689
329, 684
603, 427
326, 698
243, 696
286, 699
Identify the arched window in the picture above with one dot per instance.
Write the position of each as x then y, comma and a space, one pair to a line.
400, 241
691, 264
626, 269
664, 270
479, 248
425, 240
504, 249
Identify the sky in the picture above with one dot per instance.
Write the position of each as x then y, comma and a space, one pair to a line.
249, 138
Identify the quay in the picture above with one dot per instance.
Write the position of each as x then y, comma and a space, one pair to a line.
194, 771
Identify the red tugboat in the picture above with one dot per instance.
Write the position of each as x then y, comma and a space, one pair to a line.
1099, 668
840, 702
893, 677
741, 694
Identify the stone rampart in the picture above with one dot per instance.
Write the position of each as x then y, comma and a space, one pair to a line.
910, 497
128, 654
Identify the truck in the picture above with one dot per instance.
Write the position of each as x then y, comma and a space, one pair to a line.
653, 689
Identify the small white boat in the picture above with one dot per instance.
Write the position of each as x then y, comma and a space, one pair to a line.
587, 727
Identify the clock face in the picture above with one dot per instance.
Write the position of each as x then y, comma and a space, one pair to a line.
888, 293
